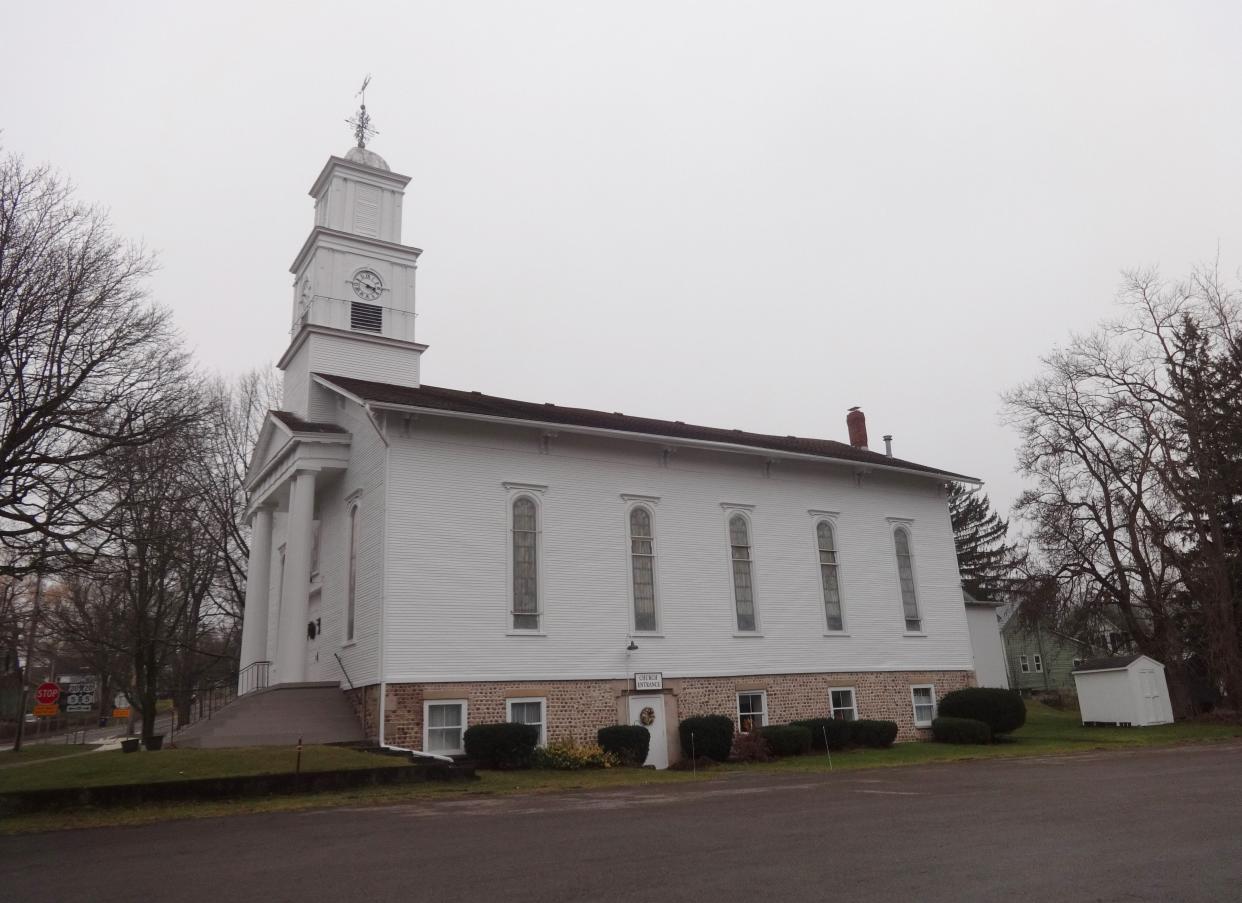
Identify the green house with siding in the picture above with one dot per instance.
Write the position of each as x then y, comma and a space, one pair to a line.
1040, 659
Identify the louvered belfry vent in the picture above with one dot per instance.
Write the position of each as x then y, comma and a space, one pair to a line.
366, 317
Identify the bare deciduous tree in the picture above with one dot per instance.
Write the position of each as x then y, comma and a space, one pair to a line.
86, 362
1133, 437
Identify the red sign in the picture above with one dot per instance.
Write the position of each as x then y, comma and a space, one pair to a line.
47, 694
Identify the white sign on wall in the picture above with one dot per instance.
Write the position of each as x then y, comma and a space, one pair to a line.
649, 680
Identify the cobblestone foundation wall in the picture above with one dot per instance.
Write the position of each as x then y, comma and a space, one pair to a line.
882, 695
576, 709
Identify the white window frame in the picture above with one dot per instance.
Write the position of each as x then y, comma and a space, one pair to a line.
914, 706
737, 704
1038, 661
648, 502
831, 518
901, 524
745, 512
535, 493
1024, 664
352, 523
465, 723
543, 709
852, 707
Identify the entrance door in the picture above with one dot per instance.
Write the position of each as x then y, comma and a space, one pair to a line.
649, 712
1151, 695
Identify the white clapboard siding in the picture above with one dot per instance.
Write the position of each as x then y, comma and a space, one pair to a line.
447, 573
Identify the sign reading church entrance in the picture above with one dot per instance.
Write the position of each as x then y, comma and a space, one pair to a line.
649, 680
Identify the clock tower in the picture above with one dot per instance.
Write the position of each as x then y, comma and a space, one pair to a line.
353, 284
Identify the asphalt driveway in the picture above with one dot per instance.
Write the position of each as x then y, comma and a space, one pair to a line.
1146, 825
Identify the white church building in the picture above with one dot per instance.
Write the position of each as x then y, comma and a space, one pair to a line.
451, 558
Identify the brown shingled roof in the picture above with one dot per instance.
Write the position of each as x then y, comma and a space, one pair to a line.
298, 425
435, 398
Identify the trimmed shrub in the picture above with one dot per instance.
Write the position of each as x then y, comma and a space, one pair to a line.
875, 734
1001, 710
960, 730
787, 739
566, 755
750, 747
502, 746
713, 736
628, 742
837, 730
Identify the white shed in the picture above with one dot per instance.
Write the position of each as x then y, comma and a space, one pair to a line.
1129, 691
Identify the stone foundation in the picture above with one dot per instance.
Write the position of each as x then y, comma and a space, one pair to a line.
576, 709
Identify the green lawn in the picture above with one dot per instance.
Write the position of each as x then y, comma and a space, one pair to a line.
116, 767
41, 752
1047, 732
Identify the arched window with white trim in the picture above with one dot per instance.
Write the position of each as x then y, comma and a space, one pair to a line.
352, 587
642, 568
905, 575
743, 577
525, 563
825, 541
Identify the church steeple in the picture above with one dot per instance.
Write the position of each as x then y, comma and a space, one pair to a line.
353, 288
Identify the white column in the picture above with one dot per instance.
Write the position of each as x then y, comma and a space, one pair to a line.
290, 663
258, 581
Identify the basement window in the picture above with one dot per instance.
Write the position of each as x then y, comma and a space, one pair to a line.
752, 710
924, 699
444, 727
842, 704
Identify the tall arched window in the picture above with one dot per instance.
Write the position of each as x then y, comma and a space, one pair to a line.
642, 567
743, 584
525, 564
351, 590
826, 542
905, 574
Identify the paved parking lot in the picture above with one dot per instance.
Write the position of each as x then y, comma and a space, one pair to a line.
1149, 825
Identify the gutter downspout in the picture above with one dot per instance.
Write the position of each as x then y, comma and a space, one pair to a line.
383, 684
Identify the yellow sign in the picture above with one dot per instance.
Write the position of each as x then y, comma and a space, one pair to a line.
41, 710
120, 713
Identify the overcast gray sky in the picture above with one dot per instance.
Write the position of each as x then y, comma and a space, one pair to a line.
745, 215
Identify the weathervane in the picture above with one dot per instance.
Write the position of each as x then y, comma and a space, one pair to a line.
361, 122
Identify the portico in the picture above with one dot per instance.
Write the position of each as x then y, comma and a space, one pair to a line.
293, 458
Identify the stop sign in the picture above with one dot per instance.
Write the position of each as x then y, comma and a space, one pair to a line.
47, 694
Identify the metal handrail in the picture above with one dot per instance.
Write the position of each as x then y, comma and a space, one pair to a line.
343, 671
254, 676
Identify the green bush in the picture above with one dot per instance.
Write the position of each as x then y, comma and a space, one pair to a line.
838, 732
712, 736
961, 730
1001, 710
787, 739
875, 734
628, 742
568, 756
503, 746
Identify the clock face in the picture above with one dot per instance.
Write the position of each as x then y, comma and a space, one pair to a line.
306, 290
367, 285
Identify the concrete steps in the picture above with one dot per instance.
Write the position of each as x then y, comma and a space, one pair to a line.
278, 716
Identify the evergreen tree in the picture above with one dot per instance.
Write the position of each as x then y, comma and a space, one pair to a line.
985, 560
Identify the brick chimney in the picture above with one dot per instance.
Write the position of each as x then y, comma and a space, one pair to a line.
856, 422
